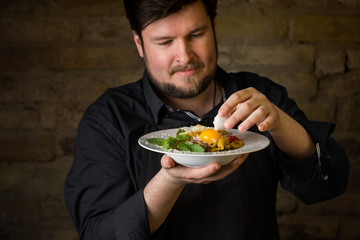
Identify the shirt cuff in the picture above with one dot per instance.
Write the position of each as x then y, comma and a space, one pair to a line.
311, 168
321, 166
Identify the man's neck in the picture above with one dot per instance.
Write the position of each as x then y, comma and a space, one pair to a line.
200, 104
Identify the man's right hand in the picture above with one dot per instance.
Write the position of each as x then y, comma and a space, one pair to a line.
179, 174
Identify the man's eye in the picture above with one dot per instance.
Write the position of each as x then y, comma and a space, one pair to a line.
164, 43
196, 35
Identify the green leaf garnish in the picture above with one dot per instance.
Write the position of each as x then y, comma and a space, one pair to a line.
180, 131
184, 146
183, 137
170, 143
179, 142
156, 141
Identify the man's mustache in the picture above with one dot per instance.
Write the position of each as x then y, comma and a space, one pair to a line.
185, 67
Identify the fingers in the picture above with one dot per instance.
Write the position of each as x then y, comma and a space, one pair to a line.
197, 175
241, 104
181, 174
242, 112
257, 117
250, 107
228, 169
203, 175
167, 162
232, 102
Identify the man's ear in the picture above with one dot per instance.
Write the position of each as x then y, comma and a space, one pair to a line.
138, 43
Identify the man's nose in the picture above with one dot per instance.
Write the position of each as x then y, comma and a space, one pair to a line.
183, 52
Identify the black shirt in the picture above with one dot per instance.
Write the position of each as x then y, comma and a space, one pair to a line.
104, 188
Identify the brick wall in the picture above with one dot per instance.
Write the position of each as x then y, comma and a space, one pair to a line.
57, 56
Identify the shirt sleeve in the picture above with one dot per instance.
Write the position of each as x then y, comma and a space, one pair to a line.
320, 176
99, 191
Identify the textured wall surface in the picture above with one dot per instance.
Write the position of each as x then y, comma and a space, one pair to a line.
58, 56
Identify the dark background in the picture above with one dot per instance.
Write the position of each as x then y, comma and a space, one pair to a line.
58, 56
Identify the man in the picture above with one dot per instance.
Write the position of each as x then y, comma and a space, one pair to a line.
116, 190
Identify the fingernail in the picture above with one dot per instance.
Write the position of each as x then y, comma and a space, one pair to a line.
261, 128
221, 113
216, 167
169, 163
241, 128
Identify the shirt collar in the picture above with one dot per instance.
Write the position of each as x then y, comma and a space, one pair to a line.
152, 99
157, 106
224, 79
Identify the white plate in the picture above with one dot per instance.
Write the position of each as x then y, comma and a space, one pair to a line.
252, 142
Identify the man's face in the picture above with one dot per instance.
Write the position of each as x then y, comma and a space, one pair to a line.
180, 52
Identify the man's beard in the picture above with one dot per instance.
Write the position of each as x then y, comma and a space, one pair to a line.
177, 92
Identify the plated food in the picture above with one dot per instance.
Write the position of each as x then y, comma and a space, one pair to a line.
252, 142
199, 139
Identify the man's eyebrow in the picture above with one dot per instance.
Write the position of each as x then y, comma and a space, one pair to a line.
162, 38
201, 28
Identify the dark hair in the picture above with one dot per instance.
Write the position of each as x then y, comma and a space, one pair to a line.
142, 13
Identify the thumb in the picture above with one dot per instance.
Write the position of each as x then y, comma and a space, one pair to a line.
167, 162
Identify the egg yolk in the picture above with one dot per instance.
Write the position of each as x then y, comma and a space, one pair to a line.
209, 135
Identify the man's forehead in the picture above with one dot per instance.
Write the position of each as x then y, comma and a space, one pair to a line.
186, 20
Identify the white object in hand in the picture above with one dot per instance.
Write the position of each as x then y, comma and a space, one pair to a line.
219, 122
